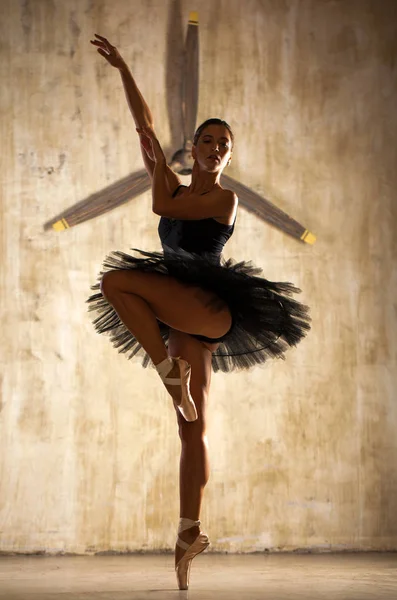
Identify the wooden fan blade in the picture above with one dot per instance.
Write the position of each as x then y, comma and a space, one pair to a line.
267, 211
101, 202
190, 92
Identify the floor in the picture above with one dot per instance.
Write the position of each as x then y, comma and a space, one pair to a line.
213, 577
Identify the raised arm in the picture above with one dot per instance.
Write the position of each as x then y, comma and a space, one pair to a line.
138, 107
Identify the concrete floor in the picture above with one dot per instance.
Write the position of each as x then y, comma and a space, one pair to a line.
213, 577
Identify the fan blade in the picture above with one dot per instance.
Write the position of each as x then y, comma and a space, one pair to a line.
190, 84
266, 210
173, 77
101, 202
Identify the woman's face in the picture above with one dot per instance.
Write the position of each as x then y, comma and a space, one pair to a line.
213, 149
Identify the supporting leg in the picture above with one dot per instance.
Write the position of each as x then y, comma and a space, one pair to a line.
194, 472
194, 467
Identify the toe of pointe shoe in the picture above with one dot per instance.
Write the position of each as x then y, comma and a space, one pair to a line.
182, 569
182, 576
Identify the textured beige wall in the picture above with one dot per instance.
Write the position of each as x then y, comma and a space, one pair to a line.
304, 452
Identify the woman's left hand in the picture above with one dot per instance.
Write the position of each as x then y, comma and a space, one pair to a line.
153, 144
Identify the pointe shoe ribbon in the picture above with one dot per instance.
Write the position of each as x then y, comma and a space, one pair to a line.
201, 542
187, 407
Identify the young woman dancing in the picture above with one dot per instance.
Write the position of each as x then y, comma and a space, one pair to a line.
185, 310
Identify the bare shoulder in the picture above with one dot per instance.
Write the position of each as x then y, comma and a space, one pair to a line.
230, 196
230, 203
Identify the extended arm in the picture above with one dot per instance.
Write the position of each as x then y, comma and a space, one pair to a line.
138, 107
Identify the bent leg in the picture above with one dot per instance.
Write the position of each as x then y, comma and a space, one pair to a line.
183, 307
138, 317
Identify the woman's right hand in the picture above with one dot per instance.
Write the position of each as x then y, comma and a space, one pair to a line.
110, 52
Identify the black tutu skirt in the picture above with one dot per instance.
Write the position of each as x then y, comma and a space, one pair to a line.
266, 319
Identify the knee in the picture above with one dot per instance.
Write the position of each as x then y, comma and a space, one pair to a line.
192, 433
108, 283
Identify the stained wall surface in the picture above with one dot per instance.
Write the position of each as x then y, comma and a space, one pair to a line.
303, 451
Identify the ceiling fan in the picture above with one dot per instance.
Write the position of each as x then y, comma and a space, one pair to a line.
133, 185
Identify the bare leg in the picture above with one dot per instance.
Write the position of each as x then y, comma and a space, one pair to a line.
194, 471
141, 298
139, 318
194, 468
138, 298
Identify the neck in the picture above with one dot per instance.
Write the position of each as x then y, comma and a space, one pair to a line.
203, 181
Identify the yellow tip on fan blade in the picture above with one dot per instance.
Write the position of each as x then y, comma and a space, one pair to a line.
60, 225
308, 237
193, 18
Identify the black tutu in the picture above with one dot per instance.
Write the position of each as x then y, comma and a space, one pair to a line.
266, 319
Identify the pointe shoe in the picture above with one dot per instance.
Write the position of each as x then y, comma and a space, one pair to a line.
182, 569
187, 407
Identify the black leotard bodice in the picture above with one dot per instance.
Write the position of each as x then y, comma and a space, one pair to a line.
204, 236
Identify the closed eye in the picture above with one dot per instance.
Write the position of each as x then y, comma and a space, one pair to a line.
223, 143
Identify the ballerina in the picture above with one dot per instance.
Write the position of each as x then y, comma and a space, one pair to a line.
185, 310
